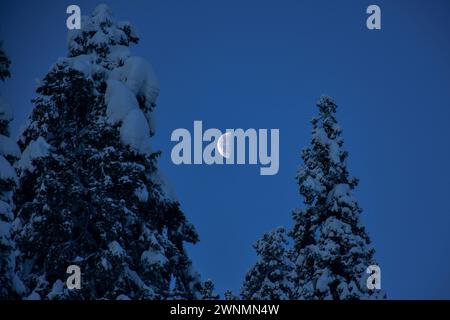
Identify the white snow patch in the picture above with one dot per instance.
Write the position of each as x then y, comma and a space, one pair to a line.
17, 285
135, 131
141, 193
84, 63
333, 226
6, 210
341, 195
102, 13
5, 233
57, 290
99, 39
323, 281
33, 296
151, 257
116, 249
133, 276
36, 149
320, 137
139, 76
116, 35
119, 53
105, 264
313, 184
119, 100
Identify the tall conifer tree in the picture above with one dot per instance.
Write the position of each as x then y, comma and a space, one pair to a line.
271, 277
332, 249
90, 193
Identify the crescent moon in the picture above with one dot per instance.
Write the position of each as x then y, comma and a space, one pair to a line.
223, 144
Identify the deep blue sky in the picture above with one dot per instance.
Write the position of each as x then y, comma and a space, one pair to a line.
263, 64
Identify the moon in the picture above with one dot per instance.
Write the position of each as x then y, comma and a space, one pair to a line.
224, 144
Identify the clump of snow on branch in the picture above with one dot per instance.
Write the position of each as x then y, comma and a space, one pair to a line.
38, 148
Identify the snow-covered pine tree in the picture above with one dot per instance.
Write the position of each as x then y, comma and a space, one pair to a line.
229, 295
332, 249
11, 287
270, 277
208, 292
90, 193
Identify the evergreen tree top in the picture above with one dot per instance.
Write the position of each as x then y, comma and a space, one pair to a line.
98, 32
332, 249
272, 244
326, 105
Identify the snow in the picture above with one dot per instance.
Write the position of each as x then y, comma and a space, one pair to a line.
122, 106
5, 233
341, 195
133, 276
334, 152
102, 14
323, 281
116, 249
99, 39
116, 35
72, 35
105, 263
131, 79
84, 63
6, 211
119, 53
6, 112
152, 257
320, 137
123, 297
140, 77
120, 101
313, 184
57, 290
106, 31
135, 131
8, 147
333, 226
6, 170
33, 296
17, 285
126, 24
141, 193
36, 149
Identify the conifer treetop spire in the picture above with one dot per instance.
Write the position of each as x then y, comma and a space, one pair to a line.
332, 249
98, 32
326, 105
270, 277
